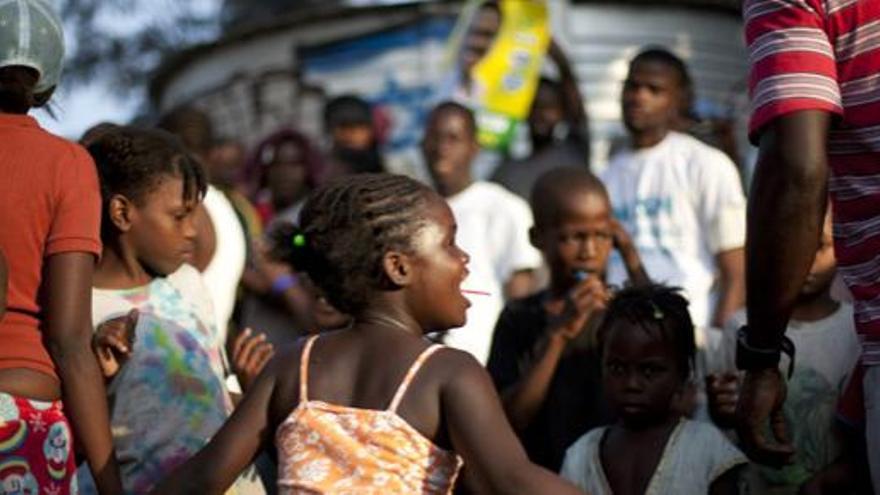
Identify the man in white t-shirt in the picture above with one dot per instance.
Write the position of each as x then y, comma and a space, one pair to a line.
680, 200
493, 226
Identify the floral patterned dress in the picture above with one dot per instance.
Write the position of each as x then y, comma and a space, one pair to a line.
330, 449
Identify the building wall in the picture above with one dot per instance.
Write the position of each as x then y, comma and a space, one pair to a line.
252, 86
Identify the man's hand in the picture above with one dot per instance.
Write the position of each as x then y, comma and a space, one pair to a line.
761, 398
250, 353
113, 341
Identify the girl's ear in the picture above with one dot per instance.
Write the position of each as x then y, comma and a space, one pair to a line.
398, 268
119, 211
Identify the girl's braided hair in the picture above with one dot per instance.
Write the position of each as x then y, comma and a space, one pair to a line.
346, 227
658, 310
133, 161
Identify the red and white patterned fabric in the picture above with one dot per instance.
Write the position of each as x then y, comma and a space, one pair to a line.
825, 55
36, 448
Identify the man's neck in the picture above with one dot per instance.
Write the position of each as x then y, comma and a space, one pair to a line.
449, 190
648, 139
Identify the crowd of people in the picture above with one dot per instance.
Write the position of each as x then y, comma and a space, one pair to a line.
182, 314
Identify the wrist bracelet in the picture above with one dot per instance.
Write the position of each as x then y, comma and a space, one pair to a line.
283, 283
749, 357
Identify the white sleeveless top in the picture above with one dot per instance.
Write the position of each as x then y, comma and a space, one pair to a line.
695, 455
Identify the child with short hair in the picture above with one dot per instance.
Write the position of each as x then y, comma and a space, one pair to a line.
493, 225
169, 396
544, 359
647, 349
50, 386
375, 408
823, 332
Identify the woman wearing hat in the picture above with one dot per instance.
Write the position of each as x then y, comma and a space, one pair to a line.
51, 389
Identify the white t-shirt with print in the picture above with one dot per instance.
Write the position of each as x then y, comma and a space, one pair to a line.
493, 228
682, 202
826, 351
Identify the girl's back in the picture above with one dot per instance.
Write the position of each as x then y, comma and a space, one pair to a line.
365, 417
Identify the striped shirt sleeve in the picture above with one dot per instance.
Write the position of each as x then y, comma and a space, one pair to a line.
791, 58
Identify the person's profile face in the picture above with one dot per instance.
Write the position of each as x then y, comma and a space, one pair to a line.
439, 267
163, 230
651, 97
479, 37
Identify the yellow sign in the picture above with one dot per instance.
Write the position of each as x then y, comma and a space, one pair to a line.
501, 85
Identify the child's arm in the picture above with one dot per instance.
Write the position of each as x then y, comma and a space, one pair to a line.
635, 272
69, 342
214, 468
483, 437
523, 400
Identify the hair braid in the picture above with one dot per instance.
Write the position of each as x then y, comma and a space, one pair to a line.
348, 226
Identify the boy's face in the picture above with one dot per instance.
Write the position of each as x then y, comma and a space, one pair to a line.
581, 240
824, 264
651, 98
639, 374
449, 148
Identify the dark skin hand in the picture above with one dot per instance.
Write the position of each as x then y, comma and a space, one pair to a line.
113, 342
785, 218
251, 352
458, 388
568, 318
68, 336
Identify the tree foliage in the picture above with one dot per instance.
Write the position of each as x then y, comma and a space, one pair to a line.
123, 41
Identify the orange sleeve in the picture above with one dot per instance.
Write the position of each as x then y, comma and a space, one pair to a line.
76, 224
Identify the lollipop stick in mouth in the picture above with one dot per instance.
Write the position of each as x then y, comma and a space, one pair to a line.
475, 292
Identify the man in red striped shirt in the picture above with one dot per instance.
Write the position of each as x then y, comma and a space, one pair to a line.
815, 85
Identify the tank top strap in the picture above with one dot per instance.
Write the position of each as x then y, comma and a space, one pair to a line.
304, 369
410, 374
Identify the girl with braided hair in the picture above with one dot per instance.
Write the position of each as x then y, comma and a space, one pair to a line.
156, 338
375, 408
647, 350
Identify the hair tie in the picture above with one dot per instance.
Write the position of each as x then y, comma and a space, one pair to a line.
299, 240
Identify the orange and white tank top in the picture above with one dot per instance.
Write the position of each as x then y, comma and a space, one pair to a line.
330, 449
